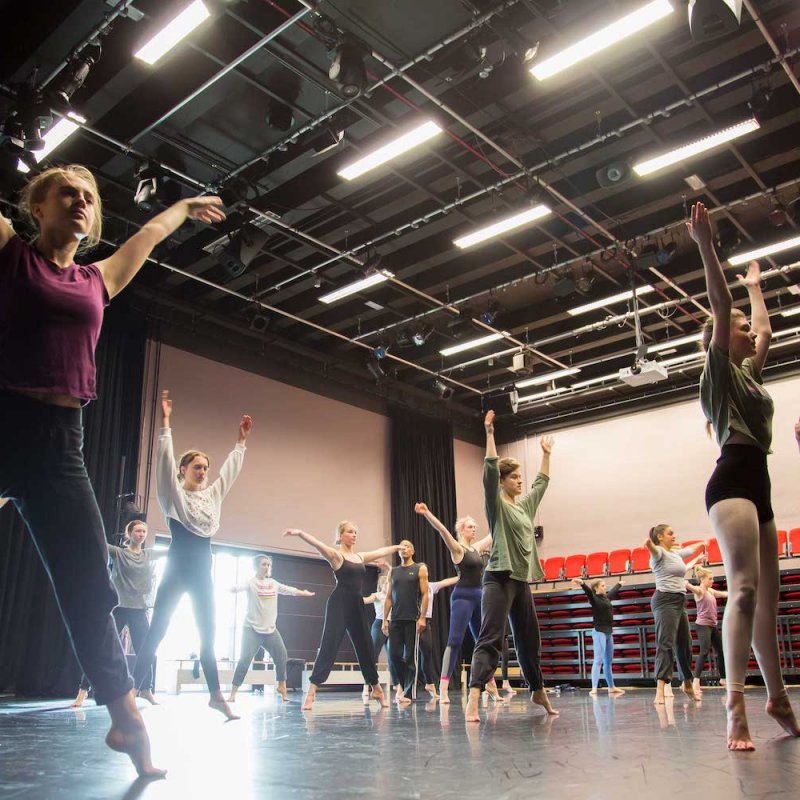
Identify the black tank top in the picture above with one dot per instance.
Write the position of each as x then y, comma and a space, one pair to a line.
350, 576
405, 593
470, 570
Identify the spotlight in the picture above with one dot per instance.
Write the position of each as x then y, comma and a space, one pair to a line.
489, 317
146, 195
280, 116
421, 336
326, 140
347, 68
728, 237
259, 322
376, 370
513, 399
666, 253
711, 19
74, 76
759, 101
442, 389
613, 174
23, 128
241, 249
379, 352
228, 257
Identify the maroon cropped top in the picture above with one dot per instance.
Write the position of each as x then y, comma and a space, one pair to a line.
50, 320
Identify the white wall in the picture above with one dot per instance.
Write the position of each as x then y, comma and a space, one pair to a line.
613, 480
469, 480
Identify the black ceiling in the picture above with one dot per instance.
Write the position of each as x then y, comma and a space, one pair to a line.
508, 138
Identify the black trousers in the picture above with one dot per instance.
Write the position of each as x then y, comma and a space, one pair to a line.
506, 599
43, 472
345, 613
135, 620
380, 641
403, 652
429, 669
672, 635
188, 570
707, 637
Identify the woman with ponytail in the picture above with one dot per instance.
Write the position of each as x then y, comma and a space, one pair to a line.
705, 624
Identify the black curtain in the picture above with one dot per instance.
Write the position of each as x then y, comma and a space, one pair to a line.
36, 658
423, 471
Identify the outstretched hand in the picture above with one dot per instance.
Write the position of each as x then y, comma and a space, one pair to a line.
752, 279
206, 209
576, 582
700, 225
421, 508
546, 443
797, 432
166, 404
245, 426
293, 532
488, 421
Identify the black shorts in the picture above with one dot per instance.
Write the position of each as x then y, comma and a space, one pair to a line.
741, 471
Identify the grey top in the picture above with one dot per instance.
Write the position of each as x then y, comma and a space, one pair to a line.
262, 602
133, 576
670, 569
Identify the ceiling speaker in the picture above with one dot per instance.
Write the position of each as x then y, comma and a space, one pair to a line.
711, 19
613, 174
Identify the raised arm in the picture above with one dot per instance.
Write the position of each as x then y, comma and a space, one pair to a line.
375, 555
797, 433
719, 294
330, 554
450, 541
697, 591
612, 593
120, 269
167, 485
546, 443
233, 463
445, 582
282, 588
759, 317
580, 583
482, 545
655, 550
423, 590
488, 424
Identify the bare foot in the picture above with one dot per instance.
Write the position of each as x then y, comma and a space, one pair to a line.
377, 694
668, 690
365, 692
401, 699
688, 690
593, 692
283, 693
471, 712
308, 702
540, 698
431, 690
443, 689
780, 709
146, 694
491, 691
659, 699
616, 690
508, 689
128, 735
220, 705
738, 731
78, 701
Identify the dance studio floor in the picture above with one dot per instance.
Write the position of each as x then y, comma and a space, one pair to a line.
605, 748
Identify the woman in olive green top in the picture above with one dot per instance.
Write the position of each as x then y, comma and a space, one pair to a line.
513, 561
739, 410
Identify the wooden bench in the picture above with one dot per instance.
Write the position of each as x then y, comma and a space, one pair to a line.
348, 673
183, 674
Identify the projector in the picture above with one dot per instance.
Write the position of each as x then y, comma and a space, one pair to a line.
644, 373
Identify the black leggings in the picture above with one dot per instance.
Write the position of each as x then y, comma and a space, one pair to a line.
426, 655
135, 620
506, 599
707, 637
188, 570
379, 641
672, 635
42, 471
345, 613
403, 652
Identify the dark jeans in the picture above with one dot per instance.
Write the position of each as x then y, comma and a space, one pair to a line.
251, 641
506, 599
672, 635
708, 637
42, 471
135, 620
403, 652
380, 641
188, 570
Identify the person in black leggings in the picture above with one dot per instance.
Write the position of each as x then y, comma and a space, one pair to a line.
193, 511
379, 640
344, 611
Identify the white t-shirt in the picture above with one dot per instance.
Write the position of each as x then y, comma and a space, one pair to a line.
433, 589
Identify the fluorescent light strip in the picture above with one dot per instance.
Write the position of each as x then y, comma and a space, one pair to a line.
607, 301
503, 226
357, 286
767, 250
671, 362
595, 381
671, 157
791, 312
669, 343
547, 377
542, 395
172, 33
600, 40
459, 348
402, 144
786, 332
57, 134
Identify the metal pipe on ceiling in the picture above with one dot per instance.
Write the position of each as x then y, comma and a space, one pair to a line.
782, 58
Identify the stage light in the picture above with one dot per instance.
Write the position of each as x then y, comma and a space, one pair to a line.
279, 116
444, 391
458, 348
711, 19
503, 226
74, 76
607, 301
600, 40
376, 370
347, 68
539, 380
357, 286
172, 33
766, 250
58, 134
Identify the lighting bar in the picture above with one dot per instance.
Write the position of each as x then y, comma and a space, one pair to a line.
679, 154
459, 348
547, 377
607, 301
786, 332
666, 345
542, 395
57, 134
671, 362
767, 250
356, 286
402, 144
595, 381
791, 312
503, 226
600, 40
172, 33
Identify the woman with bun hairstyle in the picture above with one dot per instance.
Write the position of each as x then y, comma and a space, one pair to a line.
705, 624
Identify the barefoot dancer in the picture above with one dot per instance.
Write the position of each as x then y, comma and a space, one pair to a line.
603, 628
193, 512
705, 624
427, 665
344, 611
259, 629
133, 576
465, 602
51, 311
740, 410
513, 562
379, 640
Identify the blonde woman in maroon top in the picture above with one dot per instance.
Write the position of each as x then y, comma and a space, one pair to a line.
51, 311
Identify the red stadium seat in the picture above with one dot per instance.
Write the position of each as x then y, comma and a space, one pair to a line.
640, 559
783, 538
619, 562
713, 553
794, 542
574, 566
596, 564
553, 568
